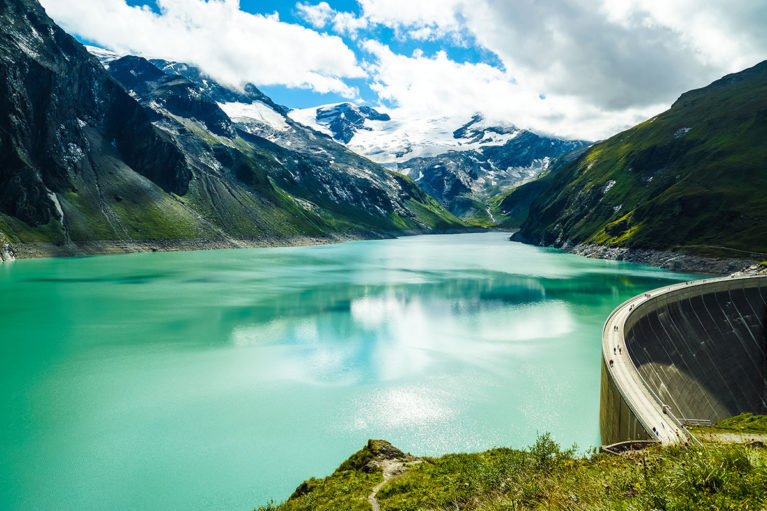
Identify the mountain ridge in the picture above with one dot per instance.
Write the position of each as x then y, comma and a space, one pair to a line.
688, 179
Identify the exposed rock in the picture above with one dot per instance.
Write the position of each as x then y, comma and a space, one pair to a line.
345, 119
666, 259
463, 181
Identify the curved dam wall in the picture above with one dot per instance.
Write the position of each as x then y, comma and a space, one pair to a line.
698, 349
618, 421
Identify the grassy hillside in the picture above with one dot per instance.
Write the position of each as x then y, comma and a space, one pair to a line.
691, 178
543, 477
511, 208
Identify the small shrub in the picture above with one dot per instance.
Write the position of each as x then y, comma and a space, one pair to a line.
269, 506
546, 451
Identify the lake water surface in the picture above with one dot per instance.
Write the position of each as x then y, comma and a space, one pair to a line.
216, 380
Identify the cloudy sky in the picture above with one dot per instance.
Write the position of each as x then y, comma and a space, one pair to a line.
575, 68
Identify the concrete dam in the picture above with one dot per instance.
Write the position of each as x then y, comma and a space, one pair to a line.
694, 351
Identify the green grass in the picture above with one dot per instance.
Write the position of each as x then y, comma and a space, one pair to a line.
546, 476
699, 191
745, 422
344, 490
15, 231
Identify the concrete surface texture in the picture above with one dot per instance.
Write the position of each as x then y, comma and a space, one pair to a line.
695, 350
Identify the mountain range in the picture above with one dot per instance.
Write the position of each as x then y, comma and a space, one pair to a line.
150, 151
462, 165
100, 151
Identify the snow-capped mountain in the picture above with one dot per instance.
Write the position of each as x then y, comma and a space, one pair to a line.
391, 141
464, 181
106, 57
241, 134
461, 164
248, 108
341, 121
219, 93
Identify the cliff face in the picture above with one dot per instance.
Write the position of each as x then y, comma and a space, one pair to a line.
66, 128
56, 103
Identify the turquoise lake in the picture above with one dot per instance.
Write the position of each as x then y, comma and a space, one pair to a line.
218, 380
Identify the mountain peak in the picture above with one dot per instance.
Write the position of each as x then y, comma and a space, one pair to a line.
219, 93
106, 57
478, 130
344, 120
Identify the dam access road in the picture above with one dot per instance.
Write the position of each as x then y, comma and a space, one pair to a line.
694, 349
645, 406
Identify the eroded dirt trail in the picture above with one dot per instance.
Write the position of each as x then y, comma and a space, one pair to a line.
392, 468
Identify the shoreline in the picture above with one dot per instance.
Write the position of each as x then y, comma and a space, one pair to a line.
114, 247
672, 260
679, 262
666, 259
39, 250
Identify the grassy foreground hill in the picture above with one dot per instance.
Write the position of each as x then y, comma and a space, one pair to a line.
542, 477
692, 178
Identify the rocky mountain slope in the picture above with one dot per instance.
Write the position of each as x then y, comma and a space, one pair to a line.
330, 180
691, 178
464, 181
84, 158
460, 165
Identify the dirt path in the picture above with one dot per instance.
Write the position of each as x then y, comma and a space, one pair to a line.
391, 470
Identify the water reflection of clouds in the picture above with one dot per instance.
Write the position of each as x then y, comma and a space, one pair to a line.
391, 335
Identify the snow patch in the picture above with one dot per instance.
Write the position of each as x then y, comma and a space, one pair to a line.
256, 111
608, 186
308, 117
54, 198
681, 132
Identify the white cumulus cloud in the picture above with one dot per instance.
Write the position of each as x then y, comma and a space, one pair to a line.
231, 45
422, 87
601, 65
321, 15
577, 68
316, 15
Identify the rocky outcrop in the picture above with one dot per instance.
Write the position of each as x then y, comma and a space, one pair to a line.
6, 250
378, 456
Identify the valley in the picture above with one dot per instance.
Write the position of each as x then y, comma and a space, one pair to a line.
316, 226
